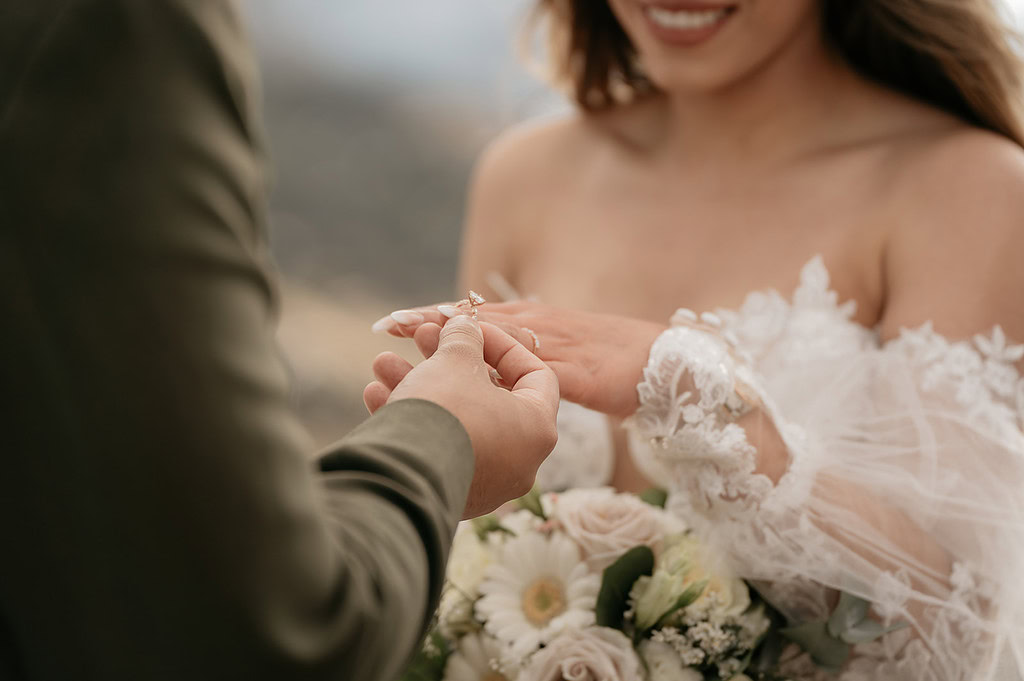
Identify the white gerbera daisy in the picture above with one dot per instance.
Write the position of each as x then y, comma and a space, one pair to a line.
538, 587
477, 658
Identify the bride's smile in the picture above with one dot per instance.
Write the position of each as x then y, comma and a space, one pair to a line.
686, 24
701, 45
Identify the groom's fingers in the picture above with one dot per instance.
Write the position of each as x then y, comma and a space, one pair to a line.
375, 396
390, 369
426, 338
519, 367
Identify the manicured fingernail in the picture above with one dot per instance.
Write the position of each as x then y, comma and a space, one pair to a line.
382, 325
449, 310
684, 313
407, 317
711, 319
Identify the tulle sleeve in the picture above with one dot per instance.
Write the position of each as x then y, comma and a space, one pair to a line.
902, 479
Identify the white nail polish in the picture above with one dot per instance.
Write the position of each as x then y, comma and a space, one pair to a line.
688, 315
382, 325
407, 317
449, 311
711, 319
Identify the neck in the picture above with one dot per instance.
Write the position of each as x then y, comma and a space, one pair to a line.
786, 108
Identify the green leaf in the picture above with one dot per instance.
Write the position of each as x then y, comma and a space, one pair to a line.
618, 580
849, 612
691, 594
531, 502
868, 630
426, 666
813, 637
655, 497
486, 524
765, 657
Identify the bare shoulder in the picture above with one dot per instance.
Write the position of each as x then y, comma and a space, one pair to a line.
523, 179
543, 158
532, 153
515, 182
954, 253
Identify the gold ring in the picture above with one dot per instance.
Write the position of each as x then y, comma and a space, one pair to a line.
536, 341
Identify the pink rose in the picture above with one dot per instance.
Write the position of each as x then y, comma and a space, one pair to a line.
593, 654
605, 524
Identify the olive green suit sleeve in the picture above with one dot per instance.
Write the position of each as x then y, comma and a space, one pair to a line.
159, 514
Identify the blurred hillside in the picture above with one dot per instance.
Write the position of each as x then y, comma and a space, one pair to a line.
375, 114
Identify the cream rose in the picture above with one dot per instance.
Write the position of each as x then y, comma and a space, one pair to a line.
686, 563
605, 524
592, 654
664, 664
468, 560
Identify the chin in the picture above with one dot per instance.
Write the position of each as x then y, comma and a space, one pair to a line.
694, 77
704, 45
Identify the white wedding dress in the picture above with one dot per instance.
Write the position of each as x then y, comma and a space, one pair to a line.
904, 480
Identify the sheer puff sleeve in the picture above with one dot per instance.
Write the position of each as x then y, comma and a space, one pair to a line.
898, 472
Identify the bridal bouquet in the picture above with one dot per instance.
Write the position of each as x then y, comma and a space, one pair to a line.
590, 585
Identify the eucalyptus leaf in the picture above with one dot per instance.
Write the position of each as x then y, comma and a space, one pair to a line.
655, 497
849, 612
826, 651
868, 630
765, 657
618, 581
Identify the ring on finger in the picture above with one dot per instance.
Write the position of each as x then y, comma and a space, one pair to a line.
536, 340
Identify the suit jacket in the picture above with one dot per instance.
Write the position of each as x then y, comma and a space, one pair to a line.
159, 515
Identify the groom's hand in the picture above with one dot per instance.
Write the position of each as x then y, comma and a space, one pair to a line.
598, 358
512, 428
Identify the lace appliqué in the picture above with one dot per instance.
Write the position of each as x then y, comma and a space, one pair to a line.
690, 398
980, 374
933, 426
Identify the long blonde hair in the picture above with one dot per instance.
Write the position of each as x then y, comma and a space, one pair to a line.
957, 55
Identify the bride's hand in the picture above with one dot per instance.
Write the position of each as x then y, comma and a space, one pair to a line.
598, 358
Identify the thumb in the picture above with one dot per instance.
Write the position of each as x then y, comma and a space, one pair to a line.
462, 336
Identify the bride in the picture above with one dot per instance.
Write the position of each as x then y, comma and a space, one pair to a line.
839, 186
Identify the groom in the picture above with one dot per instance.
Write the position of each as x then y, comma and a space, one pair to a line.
158, 516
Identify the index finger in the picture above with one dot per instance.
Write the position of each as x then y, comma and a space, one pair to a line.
519, 367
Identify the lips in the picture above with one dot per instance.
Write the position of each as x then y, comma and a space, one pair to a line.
686, 23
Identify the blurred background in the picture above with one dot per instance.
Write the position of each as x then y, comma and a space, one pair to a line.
375, 112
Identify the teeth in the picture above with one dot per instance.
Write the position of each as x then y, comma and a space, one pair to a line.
685, 19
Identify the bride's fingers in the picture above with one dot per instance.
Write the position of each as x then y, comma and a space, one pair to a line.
375, 396
520, 368
390, 369
427, 338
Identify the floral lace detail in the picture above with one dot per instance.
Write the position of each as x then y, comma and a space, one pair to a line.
930, 427
690, 398
982, 372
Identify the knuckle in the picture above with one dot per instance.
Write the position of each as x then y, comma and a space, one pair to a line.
523, 483
547, 438
459, 348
